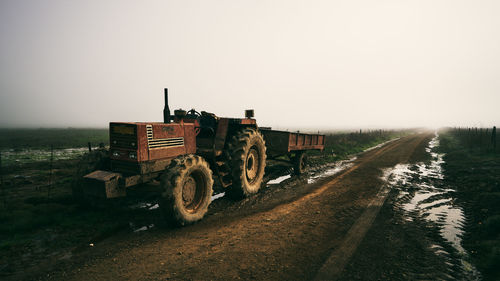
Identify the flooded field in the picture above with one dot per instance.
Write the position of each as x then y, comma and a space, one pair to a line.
25, 156
423, 195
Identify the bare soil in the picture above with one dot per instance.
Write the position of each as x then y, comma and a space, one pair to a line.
285, 232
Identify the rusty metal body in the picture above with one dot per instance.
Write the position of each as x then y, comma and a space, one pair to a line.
283, 143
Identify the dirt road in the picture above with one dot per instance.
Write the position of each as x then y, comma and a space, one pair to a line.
296, 231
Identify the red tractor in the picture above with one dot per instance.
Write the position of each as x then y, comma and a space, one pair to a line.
186, 153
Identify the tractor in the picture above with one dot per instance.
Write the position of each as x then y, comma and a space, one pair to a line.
186, 153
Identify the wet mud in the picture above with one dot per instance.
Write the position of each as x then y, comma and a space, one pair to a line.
420, 229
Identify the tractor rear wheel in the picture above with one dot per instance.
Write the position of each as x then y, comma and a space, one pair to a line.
248, 161
187, 190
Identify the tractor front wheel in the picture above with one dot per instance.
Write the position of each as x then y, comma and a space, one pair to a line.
187, 190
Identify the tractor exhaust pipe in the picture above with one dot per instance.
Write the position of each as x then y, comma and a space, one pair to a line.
166, 109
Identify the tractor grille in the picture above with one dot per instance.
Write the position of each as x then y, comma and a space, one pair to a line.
123, 136
161, 143
123, 141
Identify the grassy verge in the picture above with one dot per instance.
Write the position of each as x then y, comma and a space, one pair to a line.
340, 145
475, 173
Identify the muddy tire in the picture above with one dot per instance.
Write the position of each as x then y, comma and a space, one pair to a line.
187, 190
248, 162
95, 160
222, 173
300, 163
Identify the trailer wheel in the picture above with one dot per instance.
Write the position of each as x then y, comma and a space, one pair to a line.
248, 161
95, 160
300, 163
187, 190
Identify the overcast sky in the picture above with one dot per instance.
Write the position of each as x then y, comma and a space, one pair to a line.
319, 64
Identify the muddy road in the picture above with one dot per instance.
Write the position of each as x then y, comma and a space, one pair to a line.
303, 228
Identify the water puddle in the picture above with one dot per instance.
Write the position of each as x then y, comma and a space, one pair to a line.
218, 195
314, 176
338, 167
424, 195
140, 228
279, 179
145, 205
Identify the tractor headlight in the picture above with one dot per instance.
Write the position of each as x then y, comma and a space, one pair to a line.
116, 153
132, 155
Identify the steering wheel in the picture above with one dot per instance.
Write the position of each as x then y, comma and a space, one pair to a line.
194, 113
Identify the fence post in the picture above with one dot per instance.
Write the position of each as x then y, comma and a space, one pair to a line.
494, 138
90, 147
1, 183
475, 137
480, 139
469, 138
50, 167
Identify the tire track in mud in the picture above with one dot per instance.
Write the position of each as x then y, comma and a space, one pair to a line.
338, 259
282, 240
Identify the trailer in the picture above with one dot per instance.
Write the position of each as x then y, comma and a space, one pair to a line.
293, 145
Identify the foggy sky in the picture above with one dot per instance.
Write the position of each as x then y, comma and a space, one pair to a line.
320, 64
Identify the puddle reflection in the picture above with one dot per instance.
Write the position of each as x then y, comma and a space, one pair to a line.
422, 185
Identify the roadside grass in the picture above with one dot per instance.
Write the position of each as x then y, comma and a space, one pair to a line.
30, 211
341, 145
34, 226
475, 173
